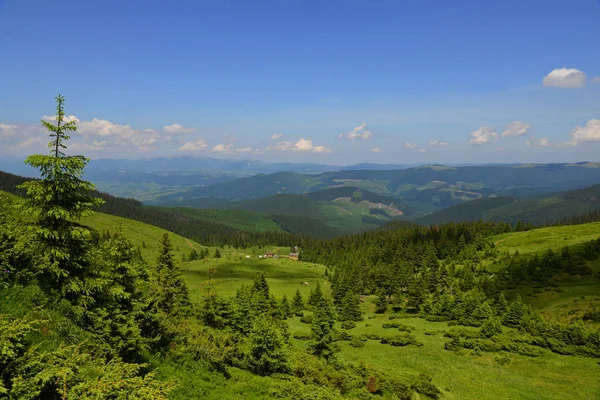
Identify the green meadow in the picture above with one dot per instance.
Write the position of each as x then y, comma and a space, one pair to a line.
542, 239
460, 375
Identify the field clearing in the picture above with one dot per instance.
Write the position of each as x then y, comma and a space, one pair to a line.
464, 376
284, 276
542, 239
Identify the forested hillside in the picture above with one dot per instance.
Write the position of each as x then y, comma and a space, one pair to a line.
536, 211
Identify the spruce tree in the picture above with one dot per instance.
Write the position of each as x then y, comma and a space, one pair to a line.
381, 303
297, 303
515, 313
217, 254
55, 203
286, 310
316, 298
268, 350
171, 291
350, 308
322, 330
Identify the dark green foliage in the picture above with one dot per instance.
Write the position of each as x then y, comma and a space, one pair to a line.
515, 313
316, 298
268, 350
297, 303
491, 327
401, 339
322, 330
286, 309
381, 304
170, 291
217, 254
349, 309
54, 203
348, 325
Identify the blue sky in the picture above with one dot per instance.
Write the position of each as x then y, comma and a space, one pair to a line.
325, 81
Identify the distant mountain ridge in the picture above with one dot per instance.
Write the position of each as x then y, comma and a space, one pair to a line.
538, 211
424, 189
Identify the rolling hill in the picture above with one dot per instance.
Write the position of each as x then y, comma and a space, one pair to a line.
539, 210
426, 188
343, 209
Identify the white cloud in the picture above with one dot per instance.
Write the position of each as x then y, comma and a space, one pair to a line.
422, 150
195, 145
7, 130
322, 149
358, 132
441, 143
589, 133
276, 136
244, 150
483, 135
596, 79
66, 118
409, 145
176, 128
565, 78
222, 148
376, 150
123, 137
304, 145
300, 145
542, 142
516, 128
30, 142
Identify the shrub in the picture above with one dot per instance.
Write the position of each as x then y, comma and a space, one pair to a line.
307, 319
348, 325
358, 341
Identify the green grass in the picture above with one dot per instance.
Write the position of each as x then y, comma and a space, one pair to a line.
543, 239
140, 233
462, 376
239, 219
458, 375
233, 270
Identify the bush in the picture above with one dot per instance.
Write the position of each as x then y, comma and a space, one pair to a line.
302, 336
502, 359
490, 327
307, 319
348, 324
399, 340
401, 327
358, 341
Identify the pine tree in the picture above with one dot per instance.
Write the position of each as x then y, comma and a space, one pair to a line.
322, 330
491, 327
316, 298
55, 202
193, 255
297, 303
268, 350
350, 308
119, 303
217, 254
171, 291
501, 305
515, 313
381, 303
286, 310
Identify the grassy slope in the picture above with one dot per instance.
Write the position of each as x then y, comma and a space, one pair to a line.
239, 219
545, 238
139, 233
549, 376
